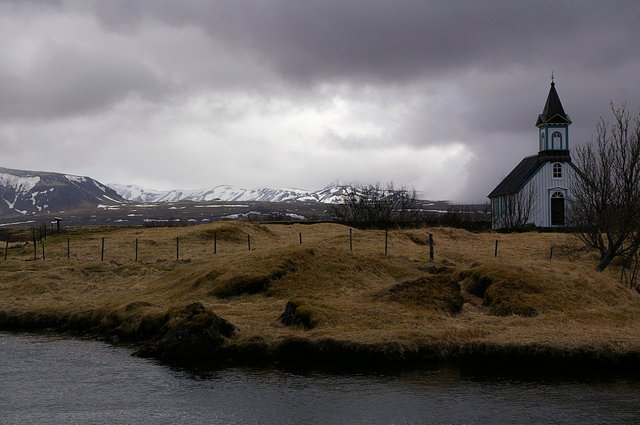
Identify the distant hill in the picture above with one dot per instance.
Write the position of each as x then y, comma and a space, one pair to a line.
328, 195
35, 192
81, 200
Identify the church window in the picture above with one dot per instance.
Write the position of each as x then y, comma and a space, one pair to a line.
557, 170
556, 140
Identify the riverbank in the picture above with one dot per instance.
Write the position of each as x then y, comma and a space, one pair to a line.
301, 295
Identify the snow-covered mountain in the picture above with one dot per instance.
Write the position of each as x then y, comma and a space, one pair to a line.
330, 194
33, 192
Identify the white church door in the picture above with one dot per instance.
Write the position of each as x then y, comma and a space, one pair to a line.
557, 209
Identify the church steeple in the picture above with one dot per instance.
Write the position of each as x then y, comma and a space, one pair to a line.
553, 124
553, 112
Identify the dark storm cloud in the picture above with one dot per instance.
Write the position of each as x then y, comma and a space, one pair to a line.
401, 39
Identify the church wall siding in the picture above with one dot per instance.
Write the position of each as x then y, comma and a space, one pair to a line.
545, 184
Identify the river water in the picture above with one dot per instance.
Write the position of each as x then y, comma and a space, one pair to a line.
53, 380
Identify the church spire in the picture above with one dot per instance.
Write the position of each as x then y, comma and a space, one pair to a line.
553, 112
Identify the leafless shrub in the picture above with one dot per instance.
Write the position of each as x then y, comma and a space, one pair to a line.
377, 206
518, 209
605, 203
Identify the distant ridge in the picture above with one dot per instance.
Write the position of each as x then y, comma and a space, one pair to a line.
25, 192
327, 195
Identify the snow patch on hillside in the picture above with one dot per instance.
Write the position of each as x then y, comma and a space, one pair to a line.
75, 179
20, 184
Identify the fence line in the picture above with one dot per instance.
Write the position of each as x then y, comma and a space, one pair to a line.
251, 245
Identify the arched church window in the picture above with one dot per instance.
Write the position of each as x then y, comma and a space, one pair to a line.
557, 172
557, 195
556, 140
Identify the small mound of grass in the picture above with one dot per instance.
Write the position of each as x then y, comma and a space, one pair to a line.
189, 333
240, 285
439, 292
261, 275
227, 233
246, 284
197, 316
298, 312
509, 288
506, 289
507, 297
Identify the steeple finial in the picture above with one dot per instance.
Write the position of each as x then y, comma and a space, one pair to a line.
552, 82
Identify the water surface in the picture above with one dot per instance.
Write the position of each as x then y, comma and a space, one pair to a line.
53, 380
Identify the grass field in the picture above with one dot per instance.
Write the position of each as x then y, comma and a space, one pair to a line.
397, 303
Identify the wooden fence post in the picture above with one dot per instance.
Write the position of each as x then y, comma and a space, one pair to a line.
495, 251
43, 256
215, 243
249, 242
68, 248
386, 240
350, 240
35, 253
300, 235
431, 256
136, 249
551, 253
6, 248
177, 248
102, 250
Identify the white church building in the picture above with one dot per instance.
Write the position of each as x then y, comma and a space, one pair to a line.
537, 190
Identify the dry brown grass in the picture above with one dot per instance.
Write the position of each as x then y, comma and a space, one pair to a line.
519, 298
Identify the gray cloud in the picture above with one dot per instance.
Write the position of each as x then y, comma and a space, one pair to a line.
349, 76
64, 81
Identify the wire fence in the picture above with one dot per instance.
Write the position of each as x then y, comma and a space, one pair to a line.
151, 245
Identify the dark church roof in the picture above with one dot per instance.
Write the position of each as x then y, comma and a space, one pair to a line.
553, 111
525, 170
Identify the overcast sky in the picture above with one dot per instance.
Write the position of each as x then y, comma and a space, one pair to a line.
441, 96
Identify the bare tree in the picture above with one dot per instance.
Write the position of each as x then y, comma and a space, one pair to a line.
517, 209
605, 201
377, 206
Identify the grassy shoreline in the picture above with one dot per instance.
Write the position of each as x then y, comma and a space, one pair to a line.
344, 306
